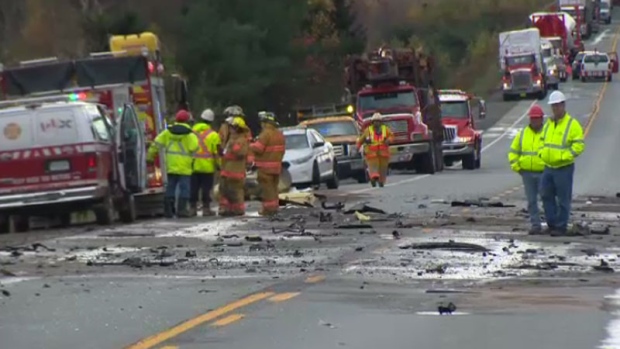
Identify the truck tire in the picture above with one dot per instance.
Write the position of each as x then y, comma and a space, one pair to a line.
609, 78
426, 162
104, 212
469, 162
316, 177
542, 94
333, 182
555, 86
506, 97
479, 157
439, 165
127, 212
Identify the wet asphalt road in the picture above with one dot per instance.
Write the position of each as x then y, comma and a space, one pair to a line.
240, 284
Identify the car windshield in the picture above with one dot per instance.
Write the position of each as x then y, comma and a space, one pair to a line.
518, 60
596, 59
334, 129
458, 110
297, 141
377, 101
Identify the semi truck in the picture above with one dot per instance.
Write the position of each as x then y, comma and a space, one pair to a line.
398, 83
559, 29
520, 60
583, 11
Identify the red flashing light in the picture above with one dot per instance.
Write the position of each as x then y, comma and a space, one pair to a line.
81, 96
151, 67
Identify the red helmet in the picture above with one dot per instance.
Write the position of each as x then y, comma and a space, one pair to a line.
536, 112
182, 116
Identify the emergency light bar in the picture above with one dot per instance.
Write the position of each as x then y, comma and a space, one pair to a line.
325, 111
35, 100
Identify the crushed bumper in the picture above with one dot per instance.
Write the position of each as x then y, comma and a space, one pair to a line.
51, 197
406, 152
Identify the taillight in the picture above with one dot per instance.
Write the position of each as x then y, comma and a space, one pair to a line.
91, 162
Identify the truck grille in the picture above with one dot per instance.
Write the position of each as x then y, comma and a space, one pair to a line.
521, 80
398, 126
339, 149
449, 133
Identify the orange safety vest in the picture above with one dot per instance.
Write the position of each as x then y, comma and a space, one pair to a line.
203, 152
377, 146
269, 150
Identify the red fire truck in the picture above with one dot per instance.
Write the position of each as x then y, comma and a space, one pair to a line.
131, 73
398, 84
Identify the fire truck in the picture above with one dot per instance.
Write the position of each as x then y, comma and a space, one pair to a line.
131, 73
462, 141
398, 84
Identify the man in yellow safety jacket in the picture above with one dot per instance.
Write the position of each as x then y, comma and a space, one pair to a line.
232, 175
206, 162
268, 152
179, 143
376, 140
563, 142
523, 158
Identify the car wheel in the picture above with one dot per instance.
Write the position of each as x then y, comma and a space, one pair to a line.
333, 182
316, 176
104, 212
609, 78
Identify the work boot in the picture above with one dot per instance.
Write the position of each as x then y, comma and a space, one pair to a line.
206, 211
169, 207
182, 211
373, 182
558, 232
535, 231
381, 184
193, 210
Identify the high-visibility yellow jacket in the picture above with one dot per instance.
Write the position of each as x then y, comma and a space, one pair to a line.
378, 142
523, 154
206, 159
562, 142
179, 143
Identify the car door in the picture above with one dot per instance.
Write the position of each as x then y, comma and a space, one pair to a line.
323, 154
131, 151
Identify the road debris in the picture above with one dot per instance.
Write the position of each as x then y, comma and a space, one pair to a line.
446, 309
603, 267
479, 203
363, 208
449, 246
5, 293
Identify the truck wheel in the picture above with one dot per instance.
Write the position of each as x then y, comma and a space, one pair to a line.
542, 94
316, 176
438, 157
506, 97
555, 86
479, 156
609, 78
127, 213
427, 161
104, 212
469, 161
333, 182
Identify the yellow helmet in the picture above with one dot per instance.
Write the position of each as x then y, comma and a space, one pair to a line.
376, 117
239, 122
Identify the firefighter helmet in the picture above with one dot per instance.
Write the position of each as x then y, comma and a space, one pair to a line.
234, 110
266, 116
239, 123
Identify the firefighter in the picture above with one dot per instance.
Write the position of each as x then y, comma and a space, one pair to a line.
179, 144
206, 163
563, 142
523, 158
232, 175
376, 139
236, 113
268, 151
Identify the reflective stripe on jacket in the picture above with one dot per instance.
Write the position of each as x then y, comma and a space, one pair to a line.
225, 134
269, 150
523, 153
562, 142
179, 143
235, 156
379, 142
206, 157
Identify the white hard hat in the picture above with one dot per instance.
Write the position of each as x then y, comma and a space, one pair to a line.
376, 117
207, 115
556, 97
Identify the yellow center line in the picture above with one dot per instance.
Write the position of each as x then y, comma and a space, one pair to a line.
314, 279
170, 347
163, 336
228, 320
284, 296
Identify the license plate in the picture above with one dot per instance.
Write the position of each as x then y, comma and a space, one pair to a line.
59, 166
524, 95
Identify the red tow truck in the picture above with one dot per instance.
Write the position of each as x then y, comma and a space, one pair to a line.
128, 79
398, 84
462, 141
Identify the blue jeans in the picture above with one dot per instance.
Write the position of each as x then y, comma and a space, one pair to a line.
531, 183
178, 181
557, 194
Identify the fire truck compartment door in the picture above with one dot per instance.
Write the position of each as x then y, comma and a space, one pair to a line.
131, 150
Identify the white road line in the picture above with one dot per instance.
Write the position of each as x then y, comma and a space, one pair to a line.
613, 327
507, 131
600, 37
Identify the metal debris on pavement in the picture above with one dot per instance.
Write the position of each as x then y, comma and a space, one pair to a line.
449, 246
478, 203
446, 308
363, 208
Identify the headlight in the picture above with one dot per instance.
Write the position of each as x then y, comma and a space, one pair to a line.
465, 139
506, 86
302, 160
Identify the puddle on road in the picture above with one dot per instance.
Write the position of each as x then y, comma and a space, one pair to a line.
503, 259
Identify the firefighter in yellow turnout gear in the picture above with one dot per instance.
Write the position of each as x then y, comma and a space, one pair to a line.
180, 143
206, 163
232, 113
268, 152
376, 140
232, 175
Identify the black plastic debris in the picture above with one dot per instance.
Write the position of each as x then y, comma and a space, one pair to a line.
191, 254
603, 267
446, 309
325, 217
253, 238
5, 293
354, 226
396, 234
363, 208
336, 207
448, 246
32, 248
472, 203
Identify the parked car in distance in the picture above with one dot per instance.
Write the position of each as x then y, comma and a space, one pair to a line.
311, 158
